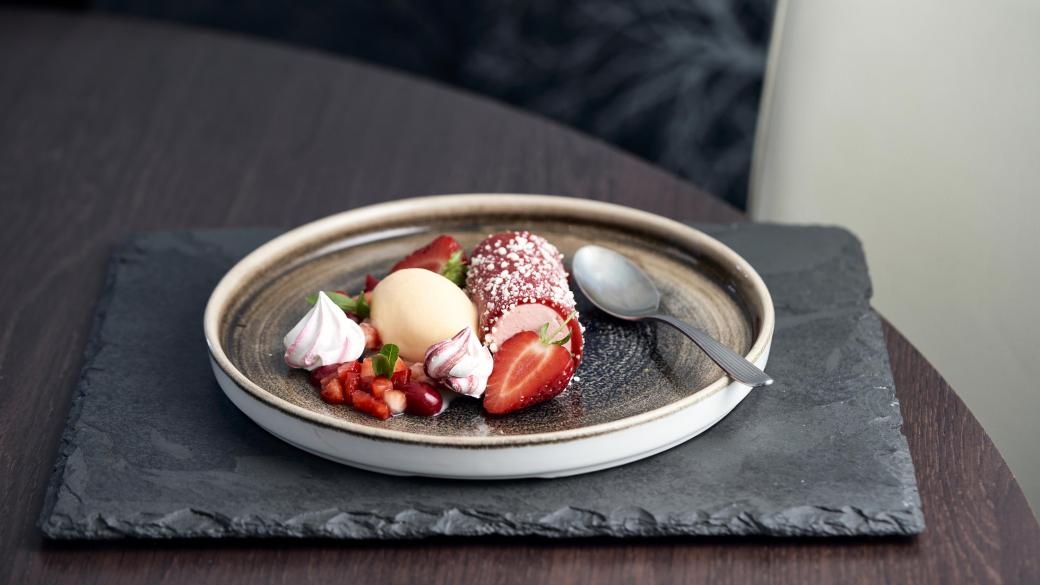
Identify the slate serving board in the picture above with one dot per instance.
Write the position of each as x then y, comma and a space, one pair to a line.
153, 449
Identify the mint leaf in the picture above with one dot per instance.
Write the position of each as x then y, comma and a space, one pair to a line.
547, 338
358, 306
455, 269
562, 341
361, 308
384, 362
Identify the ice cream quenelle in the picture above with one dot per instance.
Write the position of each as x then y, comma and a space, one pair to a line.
519, 284
324, 336
462, 363
415, 308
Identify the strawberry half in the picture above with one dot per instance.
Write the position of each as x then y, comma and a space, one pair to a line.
443, 255
528, 370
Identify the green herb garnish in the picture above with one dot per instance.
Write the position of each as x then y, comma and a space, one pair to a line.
455, 269
384, 362
547, 338
358, 306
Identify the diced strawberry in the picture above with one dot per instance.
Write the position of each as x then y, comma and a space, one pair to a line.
372, 340
370, 405
332, 391
527, 371
395, 400
418, 372
367, 372
380, 384
370, 282
351, 381
318, 374
348, 367
402, 374
434, 256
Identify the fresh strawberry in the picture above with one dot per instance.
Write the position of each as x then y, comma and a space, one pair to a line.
395, 400
418, 372
370, 405
380, 384
332, 391
402, 373
528, 369
348, 367
372, 340
443, 255
370, 282
350, 382
318, 374
367, 373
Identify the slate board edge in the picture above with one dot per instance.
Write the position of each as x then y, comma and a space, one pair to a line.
565, 523
92, 348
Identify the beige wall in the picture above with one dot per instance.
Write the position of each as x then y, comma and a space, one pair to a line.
917, 125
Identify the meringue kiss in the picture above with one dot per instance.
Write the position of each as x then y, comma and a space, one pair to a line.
324, 336
462, 363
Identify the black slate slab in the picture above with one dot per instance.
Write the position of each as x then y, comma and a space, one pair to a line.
153, 449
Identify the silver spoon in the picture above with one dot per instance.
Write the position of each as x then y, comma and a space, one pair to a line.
620, 288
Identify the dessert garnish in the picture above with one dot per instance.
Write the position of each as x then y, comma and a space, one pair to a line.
443, 255
461, 363
530, 368
323, 336
354, 305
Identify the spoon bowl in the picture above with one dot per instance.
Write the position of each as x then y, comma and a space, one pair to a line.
619, 288
614, 284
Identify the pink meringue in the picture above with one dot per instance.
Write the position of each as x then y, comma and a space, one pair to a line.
462, 363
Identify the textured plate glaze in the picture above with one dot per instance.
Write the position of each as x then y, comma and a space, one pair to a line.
632, 374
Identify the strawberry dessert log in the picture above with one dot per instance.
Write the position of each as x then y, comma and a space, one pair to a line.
519, 283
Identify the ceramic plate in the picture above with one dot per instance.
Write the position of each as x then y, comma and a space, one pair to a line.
641, 388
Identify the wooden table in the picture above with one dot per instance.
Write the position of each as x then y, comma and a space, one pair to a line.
108, 127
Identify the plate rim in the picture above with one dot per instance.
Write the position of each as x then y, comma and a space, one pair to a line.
435, 206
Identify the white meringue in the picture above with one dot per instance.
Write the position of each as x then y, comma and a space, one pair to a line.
324, 336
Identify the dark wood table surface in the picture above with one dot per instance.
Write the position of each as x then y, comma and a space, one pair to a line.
109, 127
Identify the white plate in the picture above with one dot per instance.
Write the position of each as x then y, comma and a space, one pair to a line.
640, 389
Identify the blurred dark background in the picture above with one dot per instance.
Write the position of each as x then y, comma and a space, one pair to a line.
676, 82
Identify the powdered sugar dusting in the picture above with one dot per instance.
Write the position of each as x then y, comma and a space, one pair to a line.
514, 268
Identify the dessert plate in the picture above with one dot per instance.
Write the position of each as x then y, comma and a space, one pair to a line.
640, 389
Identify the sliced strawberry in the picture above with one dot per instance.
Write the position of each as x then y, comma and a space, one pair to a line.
396, 400
370, 405
372, 340
348, 368
527, 371
367, 373
443, 255
370, 282
402, 373
318, 374
380, 384
332, 391
418, 372
350, 381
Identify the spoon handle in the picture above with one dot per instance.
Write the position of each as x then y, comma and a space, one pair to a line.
735, 365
